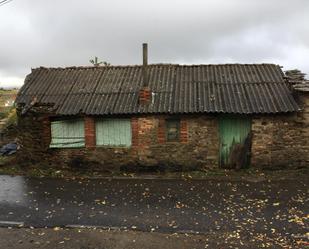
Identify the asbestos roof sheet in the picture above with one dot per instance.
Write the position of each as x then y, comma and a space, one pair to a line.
226, 88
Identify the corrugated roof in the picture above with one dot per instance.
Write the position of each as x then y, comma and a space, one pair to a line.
226, 88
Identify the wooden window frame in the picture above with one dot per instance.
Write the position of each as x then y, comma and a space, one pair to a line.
178, 126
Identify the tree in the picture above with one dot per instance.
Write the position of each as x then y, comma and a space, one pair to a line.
96, 63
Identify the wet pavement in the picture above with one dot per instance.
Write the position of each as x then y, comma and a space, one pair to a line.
280, 208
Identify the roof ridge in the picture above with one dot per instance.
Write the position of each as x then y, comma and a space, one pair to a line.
152, 65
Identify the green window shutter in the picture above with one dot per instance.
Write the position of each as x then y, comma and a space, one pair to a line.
113, 132
67, 134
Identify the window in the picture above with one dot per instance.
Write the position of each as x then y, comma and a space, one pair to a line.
67, 133
114, 132
172, 130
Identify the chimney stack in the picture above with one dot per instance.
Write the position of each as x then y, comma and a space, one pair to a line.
145, 64
145, 92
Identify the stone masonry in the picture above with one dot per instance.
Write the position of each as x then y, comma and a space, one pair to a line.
197, 149
282, 141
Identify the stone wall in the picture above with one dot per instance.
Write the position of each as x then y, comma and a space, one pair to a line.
281, 141
198, 146
33, 132
197, 149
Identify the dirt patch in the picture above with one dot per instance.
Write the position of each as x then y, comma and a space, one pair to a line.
13, 165
102, 239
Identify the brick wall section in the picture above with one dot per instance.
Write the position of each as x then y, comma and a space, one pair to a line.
146, 134
183, 131
145, 95
161, 130
46, 131
90, 135
134, 126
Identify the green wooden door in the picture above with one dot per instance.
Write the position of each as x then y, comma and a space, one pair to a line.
235, 141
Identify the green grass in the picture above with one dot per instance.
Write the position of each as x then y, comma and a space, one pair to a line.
12, 117
9, 91
4, 96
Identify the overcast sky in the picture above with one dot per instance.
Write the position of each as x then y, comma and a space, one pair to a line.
55, 33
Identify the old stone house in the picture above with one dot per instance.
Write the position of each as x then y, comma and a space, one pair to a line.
175, 117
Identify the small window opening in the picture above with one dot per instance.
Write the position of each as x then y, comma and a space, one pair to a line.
172, 130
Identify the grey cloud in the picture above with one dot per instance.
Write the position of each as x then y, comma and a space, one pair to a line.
62, 33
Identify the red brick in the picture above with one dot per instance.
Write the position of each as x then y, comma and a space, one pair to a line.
145, 95
183, 131
134, 125
161, 130
46, 131
90, 132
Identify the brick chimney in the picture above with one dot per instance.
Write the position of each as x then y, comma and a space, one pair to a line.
145, 92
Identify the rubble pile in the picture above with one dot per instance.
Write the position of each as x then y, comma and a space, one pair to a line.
298, 80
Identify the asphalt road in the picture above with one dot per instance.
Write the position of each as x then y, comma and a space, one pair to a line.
277, 208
